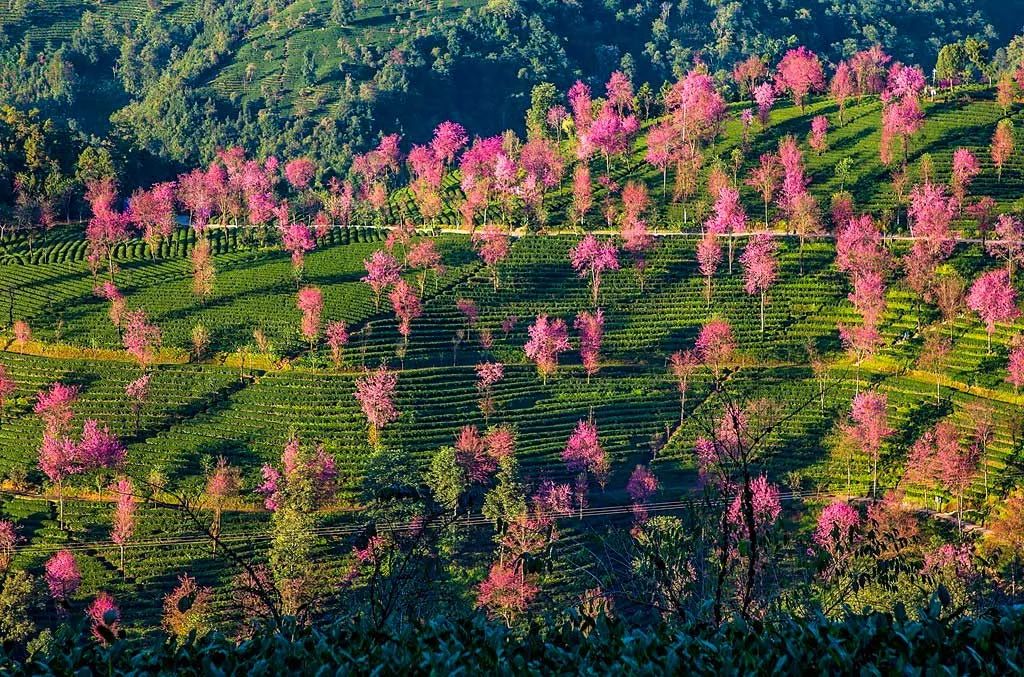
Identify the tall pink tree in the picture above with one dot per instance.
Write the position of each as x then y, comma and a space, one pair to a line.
407, 307
137, 393
582, 193
492, 246
867, 431
337, 338
382, 271
591, 329
124, 515
548, 338
682, 365
842, 87
642, 485
222, 485
141, 338
994, 299
709, 255
310, 302
584, 454
1015, 364
424, 257
488, 374
835, 527
375, 392
506, 593
108, 227
764, 97
62, 575
760, 268
728, 217
924, 467
449, 138
299, 173
818, 138
715, 344
1008, 243
800, 73
7, 388
962, 172
54, 407
152, 212
591, 258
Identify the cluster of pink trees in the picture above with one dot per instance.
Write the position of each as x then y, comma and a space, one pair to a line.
861, 254
62, 455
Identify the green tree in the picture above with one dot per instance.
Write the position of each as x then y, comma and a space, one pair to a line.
446, 478
542, 97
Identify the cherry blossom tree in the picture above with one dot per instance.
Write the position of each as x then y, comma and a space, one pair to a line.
449, 138
682, 364
7, 388
584, 454
337, 339
107, 228
124, 515
1015, 366
137, 393
591, 329
870, 69
818, 138
407, 307
487, 375
306, 479
867, 431
141, 339
299, 173
760, 268
492, 245
54, 407
582, 193
800, 73
902, 115
924, 465
8, 542
835, 528
222, 485
310, 302
641, 487
931, 213
709, 255
661, 151
506, 593
297, 239
696, 108
728, 218
964, 168
105, 619
382, 271
766, 178
715, 344
424, 257
1002, 145
1008, 243
764, 97
590, 258
548, 338
746, 73
993, 298
842, 87
375, 391
62, 576
152, 212
957, 464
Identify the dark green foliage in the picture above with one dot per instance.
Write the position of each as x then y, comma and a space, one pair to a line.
869, 644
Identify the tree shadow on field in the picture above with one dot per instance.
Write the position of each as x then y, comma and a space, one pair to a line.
920, 417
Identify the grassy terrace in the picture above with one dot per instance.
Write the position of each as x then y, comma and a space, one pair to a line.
202, 409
